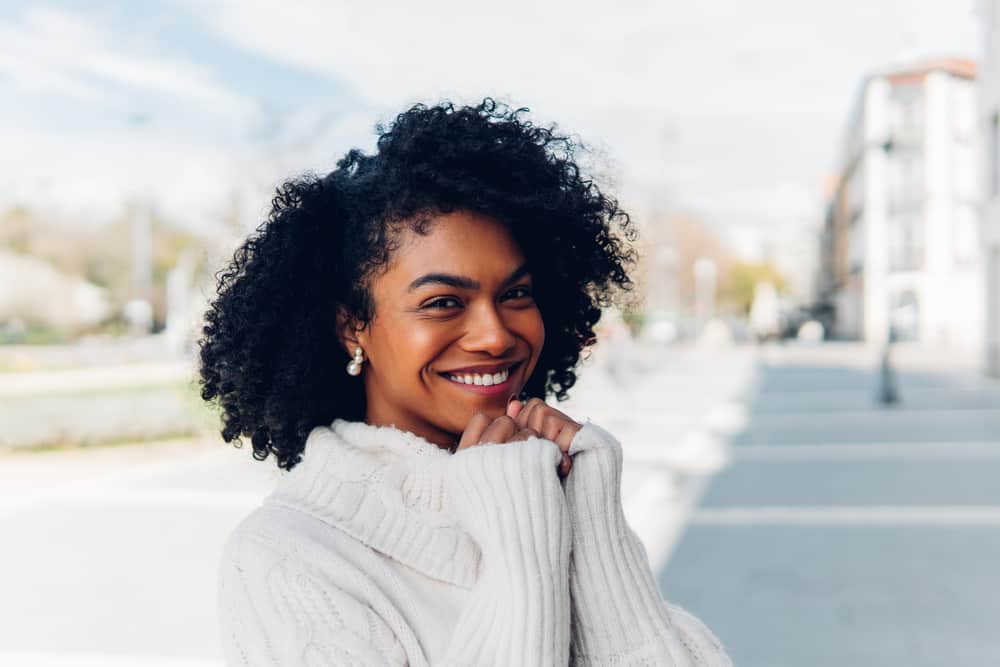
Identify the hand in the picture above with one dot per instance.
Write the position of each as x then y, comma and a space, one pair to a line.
483, 429
548, 423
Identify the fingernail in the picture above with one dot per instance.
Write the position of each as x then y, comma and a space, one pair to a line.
512, 397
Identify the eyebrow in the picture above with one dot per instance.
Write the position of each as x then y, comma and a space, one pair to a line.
461, 282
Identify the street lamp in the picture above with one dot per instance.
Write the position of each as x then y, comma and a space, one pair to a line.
888, 392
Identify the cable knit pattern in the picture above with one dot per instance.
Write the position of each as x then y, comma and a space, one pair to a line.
380, 548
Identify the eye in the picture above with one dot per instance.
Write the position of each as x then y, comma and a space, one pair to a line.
443, 303
519, 292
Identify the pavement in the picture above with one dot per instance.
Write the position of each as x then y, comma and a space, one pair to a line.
843, 532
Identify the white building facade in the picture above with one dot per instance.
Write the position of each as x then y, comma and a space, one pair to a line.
901, 242
990, 229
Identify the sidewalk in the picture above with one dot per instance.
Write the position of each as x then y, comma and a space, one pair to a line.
844, 532
672, 408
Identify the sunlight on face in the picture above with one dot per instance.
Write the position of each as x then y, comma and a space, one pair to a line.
455, 331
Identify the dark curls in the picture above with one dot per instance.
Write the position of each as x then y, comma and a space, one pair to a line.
270, 354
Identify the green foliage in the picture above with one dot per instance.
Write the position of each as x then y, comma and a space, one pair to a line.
634, 319
31, 334
101, 254
736, 290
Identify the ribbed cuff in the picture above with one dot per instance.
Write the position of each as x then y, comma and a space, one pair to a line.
508, 497
618, 614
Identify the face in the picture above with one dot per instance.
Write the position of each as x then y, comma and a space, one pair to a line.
455, 330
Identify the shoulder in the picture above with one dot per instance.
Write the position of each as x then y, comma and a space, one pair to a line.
288, 588
276, 536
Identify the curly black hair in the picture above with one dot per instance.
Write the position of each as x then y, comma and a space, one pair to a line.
270, 355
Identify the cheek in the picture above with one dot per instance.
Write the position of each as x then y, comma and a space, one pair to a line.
532, 329
421, 344
539, 333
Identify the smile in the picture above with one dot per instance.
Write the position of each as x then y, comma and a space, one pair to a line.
483, 383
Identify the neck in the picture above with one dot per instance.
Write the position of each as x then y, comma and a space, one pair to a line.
443, 439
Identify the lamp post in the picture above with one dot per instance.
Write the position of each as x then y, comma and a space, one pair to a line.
888, 391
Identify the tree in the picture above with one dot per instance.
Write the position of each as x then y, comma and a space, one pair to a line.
736, 289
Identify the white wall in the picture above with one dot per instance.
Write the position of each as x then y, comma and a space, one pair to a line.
952, 312
990, 224
874, 235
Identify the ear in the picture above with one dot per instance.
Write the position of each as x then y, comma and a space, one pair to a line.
349, 333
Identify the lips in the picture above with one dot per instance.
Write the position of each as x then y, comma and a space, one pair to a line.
483, 379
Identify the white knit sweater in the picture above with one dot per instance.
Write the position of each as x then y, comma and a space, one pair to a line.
381, 548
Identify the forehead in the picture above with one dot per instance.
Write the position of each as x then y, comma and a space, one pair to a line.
463, 243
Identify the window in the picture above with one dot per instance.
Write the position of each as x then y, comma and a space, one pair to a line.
906, 181
906, 242
963, 104
907, 116
967, 178
965, 234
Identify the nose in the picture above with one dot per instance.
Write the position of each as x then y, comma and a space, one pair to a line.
487, 332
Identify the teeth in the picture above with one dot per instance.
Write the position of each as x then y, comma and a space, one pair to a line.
484, 380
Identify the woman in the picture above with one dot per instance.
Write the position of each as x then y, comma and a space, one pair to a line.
388, 335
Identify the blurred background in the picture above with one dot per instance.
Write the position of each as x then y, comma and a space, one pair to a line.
806, 392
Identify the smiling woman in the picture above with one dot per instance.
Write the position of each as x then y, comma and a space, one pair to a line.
473, 330
390, 334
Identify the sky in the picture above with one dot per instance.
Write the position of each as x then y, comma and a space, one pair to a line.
733, 110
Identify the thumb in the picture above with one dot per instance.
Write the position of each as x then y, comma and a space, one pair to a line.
514, 407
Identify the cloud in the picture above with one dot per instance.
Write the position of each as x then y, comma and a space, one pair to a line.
657, 85
59, 52
92, 176
732, 108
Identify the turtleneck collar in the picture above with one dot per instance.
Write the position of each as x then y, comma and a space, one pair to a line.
383, 487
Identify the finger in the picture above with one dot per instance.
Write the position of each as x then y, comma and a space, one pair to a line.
538, 404
514, 407
536, 410
501, 430
524, 434
531, 406
551, 426
536, 419
565, 437
474, 430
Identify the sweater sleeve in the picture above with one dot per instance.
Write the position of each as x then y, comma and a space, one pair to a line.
509, 498
310, 623
618, 615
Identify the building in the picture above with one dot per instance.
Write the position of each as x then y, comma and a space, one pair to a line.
900, 245
790, 247
990, 223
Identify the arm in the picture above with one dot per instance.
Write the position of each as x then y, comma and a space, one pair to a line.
508, 497
618, 614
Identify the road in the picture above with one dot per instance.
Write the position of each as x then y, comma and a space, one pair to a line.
845, 533
110, 554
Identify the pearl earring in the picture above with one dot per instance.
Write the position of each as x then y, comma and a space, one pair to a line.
354, 365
